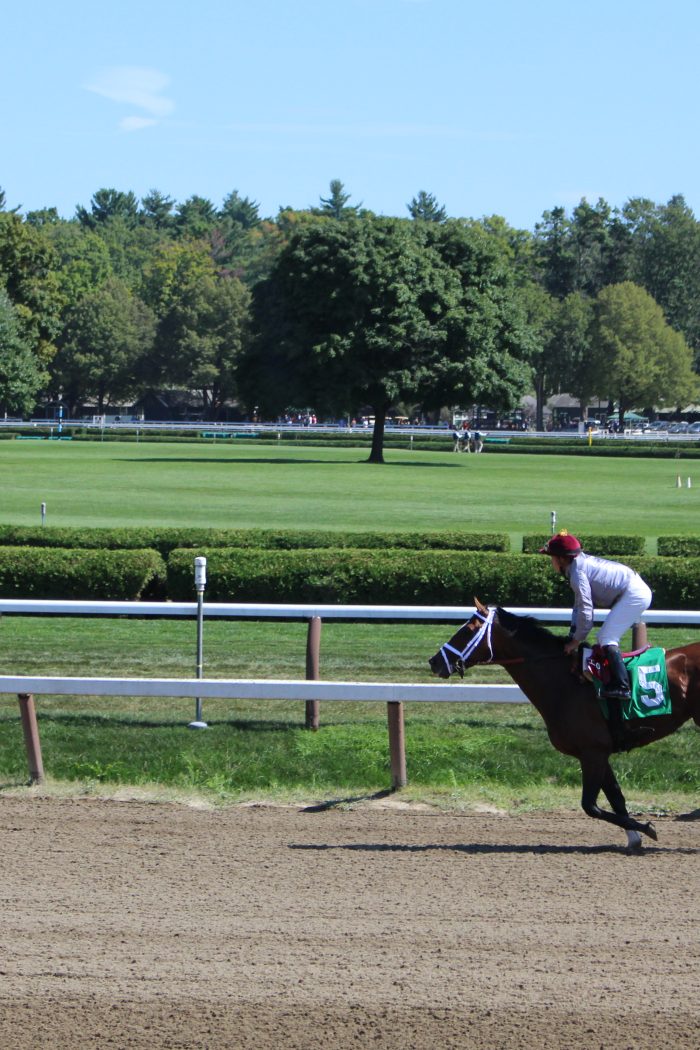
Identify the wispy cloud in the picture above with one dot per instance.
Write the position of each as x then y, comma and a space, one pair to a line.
136, 123
135, 86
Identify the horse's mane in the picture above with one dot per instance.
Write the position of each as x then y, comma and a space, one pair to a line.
527, 630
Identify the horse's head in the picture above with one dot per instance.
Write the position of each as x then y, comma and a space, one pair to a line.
470, 645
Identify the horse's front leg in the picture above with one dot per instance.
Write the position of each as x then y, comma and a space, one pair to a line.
613, 793
596, 776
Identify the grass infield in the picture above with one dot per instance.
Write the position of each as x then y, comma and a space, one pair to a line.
335, 488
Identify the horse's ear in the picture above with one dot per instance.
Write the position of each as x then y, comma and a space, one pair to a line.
480, 607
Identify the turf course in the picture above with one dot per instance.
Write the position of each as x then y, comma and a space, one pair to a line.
258, 486
457, 755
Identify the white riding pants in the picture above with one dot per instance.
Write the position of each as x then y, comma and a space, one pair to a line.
626, 611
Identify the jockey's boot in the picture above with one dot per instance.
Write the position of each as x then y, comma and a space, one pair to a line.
619, 685
617, 690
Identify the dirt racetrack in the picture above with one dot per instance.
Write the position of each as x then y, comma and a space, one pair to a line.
152, 925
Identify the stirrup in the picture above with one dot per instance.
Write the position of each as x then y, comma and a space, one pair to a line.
616, 693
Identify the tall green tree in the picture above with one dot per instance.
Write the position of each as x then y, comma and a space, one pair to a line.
377, 311
336, 206
195, 218
107, 333
240, 210
21, 375
202, 322
638, 358
582, 252
574, 369
665, 260
425, 207
540, 308
157, 210
108, 204
28, 275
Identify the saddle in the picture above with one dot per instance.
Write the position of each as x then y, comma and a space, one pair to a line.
648, 680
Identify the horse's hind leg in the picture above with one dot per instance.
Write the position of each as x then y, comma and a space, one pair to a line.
613, 793
597, 775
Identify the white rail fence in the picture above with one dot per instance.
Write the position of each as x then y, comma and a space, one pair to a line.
311, 690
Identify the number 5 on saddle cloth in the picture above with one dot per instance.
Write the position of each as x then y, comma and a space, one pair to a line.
648, 681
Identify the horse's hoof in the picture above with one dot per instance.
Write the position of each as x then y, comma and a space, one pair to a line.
650, 830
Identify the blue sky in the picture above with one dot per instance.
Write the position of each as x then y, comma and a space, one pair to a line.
495, 107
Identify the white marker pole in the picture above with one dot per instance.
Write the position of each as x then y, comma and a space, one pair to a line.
200, 582
553, 517
43, 513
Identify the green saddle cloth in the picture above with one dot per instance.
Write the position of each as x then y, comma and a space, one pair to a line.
649, 685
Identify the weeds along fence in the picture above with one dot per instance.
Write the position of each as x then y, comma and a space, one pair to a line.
312, 690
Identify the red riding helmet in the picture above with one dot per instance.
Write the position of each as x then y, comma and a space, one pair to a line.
562, 543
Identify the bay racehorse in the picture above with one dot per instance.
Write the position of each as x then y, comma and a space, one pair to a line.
535, 660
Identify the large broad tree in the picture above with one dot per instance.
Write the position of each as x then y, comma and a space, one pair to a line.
637, 357
375, 311
570, 334
665, 260
21, 375
540, 309
28, 275
202, 321
106, 335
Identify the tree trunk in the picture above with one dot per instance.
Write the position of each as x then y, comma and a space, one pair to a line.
377, 453
539, 404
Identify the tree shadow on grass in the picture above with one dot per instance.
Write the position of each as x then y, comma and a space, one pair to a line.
277, 460
235, 461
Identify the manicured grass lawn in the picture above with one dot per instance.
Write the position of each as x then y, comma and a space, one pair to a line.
334, 488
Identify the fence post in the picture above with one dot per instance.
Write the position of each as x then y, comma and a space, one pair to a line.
397, 744
200, 582
31, 737
639, 635
313, 650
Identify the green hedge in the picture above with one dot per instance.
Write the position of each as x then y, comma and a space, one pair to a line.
675, 582
30, 572
352, 577
679, 546
333, 575
166, 540
407, 578
604, 546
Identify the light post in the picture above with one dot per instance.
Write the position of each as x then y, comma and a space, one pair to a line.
200, 582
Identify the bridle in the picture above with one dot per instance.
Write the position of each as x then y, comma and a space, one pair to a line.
473, 643
476, 639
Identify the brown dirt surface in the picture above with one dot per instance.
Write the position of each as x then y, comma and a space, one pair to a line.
153, 925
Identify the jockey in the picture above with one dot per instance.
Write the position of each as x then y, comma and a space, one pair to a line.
602, 583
